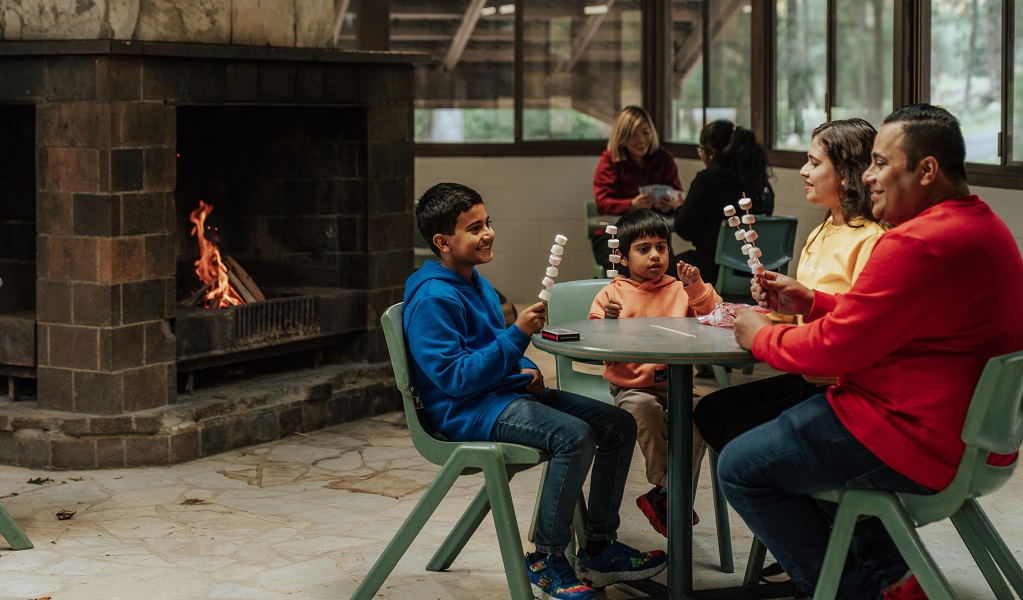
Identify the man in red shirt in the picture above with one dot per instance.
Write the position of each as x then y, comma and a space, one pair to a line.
907, 343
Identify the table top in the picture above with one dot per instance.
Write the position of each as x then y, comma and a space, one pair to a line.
660, 340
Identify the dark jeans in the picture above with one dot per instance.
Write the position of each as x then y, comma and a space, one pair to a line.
768, 474
577, 432
729, 412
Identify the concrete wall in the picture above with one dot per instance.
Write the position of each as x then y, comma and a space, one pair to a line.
284, 23
533, 199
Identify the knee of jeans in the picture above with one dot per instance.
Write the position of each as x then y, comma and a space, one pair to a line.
727, 475
575, 440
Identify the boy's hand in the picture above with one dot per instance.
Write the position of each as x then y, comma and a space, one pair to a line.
612, 309
532, 319
687, 273
534, 387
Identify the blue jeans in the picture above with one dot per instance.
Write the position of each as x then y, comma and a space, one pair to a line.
577, 432
768, 473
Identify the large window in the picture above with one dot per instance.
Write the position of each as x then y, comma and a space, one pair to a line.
966, 70
863, 59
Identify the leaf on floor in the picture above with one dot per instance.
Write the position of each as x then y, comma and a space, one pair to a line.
64, 515
40, 480
193, 502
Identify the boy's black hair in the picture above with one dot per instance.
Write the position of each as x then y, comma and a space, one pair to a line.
932, 131
439, 208
640, 223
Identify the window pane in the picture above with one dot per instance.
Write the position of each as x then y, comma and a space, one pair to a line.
466, 92
863, 60
802, 70
729, 61
966, 70
343, 34
1017, 108
686, 87
582, 65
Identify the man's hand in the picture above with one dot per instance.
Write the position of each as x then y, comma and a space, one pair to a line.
747, 324
687, 273
534, 387
781, 294
532, 319
613, 308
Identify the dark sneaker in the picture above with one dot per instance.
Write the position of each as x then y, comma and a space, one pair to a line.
553, 578
619, 562
654, 506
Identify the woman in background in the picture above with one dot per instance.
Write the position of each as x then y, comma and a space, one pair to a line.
736, 166
633, 159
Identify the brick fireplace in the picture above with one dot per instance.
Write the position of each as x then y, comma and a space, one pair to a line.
306, 155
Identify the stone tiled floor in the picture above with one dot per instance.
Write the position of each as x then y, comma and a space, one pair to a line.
304, 517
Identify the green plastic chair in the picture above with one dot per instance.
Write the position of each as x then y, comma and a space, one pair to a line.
498, 461
570, 301
776, 237
994, 424
11, 532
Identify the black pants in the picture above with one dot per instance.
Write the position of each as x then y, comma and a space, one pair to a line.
723, 415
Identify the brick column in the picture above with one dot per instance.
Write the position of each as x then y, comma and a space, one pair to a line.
106, 263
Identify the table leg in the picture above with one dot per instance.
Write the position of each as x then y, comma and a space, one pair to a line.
680, 481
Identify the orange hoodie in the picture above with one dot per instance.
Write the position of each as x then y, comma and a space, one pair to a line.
661, 297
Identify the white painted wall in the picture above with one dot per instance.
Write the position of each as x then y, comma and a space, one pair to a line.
533, 199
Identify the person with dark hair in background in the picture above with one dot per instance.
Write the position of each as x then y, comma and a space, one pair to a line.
736, 166
633, 159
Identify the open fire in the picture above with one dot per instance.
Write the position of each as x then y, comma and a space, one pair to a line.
224, 282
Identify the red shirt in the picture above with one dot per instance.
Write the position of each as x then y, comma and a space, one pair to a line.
615, 184
938, 297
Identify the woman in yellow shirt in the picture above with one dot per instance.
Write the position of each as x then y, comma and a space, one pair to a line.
832, 258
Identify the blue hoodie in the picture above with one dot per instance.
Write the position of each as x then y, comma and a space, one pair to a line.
466, 363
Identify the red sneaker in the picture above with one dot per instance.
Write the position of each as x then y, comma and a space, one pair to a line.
654, 505
908, 589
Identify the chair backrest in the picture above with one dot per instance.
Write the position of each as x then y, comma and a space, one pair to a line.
432, 449
776, 238
570, 301
994, 424
590, 206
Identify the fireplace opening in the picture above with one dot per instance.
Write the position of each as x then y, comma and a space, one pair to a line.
287, 190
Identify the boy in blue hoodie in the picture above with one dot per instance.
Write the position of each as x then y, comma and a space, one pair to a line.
476, 384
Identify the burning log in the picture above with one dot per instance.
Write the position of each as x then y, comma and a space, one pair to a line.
241, 280
198, 295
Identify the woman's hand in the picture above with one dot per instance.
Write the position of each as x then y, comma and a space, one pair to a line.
643, 201
612, 309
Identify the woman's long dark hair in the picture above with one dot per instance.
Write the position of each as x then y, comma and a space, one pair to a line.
737, 149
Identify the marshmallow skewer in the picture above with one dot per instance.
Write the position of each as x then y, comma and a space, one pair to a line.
616, 256
749, 237
557, 250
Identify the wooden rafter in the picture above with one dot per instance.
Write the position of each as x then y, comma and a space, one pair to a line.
339, 18
579, 45
465, 29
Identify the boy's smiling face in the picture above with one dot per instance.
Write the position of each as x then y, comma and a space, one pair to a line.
471, 244
647, 258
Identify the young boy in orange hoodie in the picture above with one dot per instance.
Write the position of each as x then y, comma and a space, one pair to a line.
642, 389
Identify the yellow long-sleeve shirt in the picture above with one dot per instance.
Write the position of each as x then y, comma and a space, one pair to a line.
661, 297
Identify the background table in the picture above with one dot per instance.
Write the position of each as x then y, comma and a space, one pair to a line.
678, 343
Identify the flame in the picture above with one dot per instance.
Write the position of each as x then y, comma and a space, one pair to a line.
209, 267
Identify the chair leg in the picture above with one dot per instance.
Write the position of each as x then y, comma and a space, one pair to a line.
755, 564
461, 532
994, 544
721, 375
11, 532
977, 546
836, 552
536, 504
507, 529
721, 518
408, 531
920, 561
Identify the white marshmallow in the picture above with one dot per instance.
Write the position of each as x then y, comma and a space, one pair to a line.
729, 210
557, 249
611, 273
733, 221
614, 258
552, 271
755, 252
545, 295
554, 259
611, 229
746, 248
612, 243
752, 262
751, 236
548, 282
560, 239
745, 203
740, 234
758, 269
748, 219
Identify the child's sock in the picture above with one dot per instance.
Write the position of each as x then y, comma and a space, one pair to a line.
595, 547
